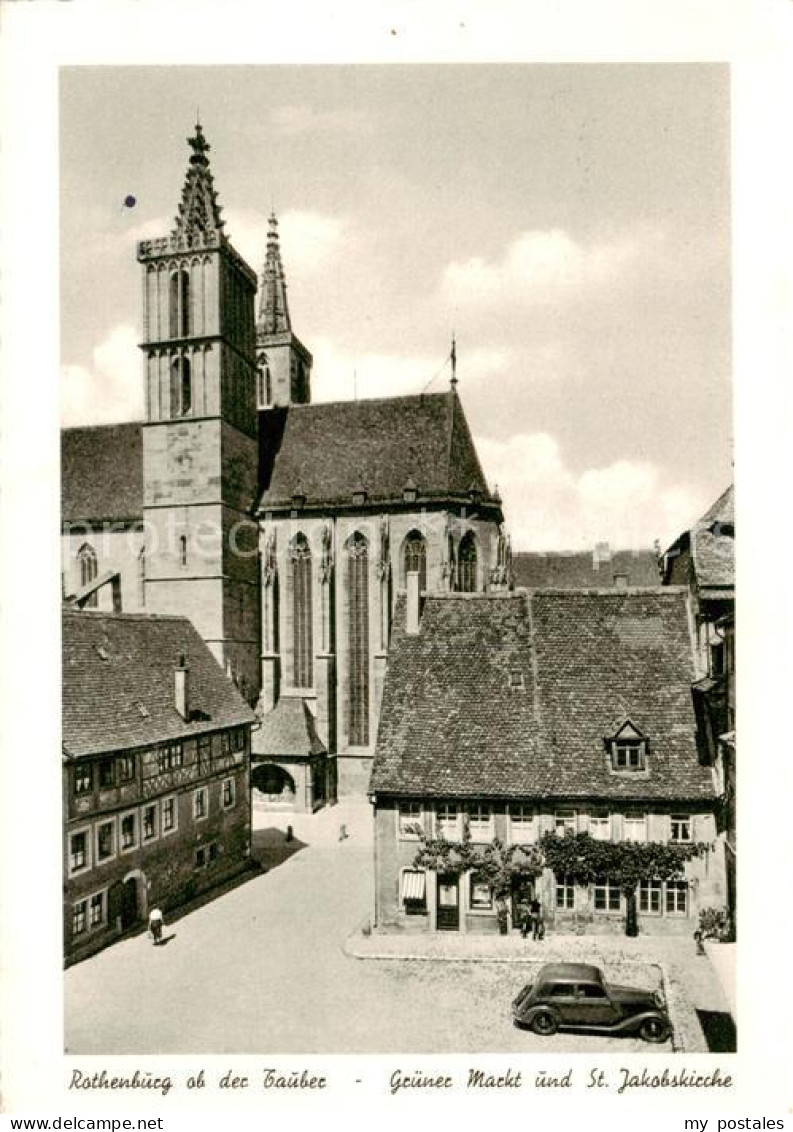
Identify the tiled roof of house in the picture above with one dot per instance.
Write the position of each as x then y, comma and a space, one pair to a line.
581, 569
714, 545
118, 682
327, 452
102, 473
453, 725
289, 729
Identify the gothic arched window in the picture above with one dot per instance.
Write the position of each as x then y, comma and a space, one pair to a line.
89, 568
303, 648
179, 307
357, 555
181, 387
414, 557
466, 564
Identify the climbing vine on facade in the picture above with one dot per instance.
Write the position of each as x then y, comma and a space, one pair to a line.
579, 857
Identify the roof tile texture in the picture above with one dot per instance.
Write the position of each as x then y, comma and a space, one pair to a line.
453, 726
118, 682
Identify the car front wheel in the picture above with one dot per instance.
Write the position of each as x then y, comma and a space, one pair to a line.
654, 1030
544, 1023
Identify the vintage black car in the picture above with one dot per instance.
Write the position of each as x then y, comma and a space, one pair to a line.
575, 996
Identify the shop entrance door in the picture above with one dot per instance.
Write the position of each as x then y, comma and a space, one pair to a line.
448, 903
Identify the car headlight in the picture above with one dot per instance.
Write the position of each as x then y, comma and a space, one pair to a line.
658, 999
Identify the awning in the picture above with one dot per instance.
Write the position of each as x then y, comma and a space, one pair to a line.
413, 885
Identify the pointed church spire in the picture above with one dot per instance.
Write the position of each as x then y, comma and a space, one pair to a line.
273, 307
199, 211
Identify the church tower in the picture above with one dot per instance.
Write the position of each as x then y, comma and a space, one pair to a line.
282, 361
200, 450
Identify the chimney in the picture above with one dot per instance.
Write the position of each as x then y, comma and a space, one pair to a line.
182, 687
413, 603
621, 581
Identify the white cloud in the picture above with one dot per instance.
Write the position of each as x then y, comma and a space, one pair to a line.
542, 266
308, 239
293, 118
547, 507
112, 389
339, 376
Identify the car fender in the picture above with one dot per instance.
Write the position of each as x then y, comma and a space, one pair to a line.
634, 1021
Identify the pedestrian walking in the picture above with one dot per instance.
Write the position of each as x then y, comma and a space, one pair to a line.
156, 925
538, 927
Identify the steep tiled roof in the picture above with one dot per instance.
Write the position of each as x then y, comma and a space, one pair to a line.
289, 729
329, 451
102, 473
713, 545
581, 569
705, 555
118, 682
453, 726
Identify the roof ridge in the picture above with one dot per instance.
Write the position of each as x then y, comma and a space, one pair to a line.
360, 401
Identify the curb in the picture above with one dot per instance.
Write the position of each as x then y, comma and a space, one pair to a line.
687, 1035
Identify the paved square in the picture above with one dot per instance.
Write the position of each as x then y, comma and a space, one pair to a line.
262, 970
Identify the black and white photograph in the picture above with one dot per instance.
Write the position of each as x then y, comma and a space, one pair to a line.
379, 654
398, 583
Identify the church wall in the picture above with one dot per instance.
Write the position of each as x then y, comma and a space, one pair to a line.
116, 547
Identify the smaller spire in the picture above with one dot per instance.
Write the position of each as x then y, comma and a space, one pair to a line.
273, 305
453, 357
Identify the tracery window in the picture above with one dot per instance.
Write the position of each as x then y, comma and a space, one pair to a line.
89, 568
466, 564
415, 558
357, 553
302, 651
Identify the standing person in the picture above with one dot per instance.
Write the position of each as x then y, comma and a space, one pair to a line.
155, 925
535, 911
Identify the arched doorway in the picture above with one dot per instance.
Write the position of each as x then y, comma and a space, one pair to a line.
275, 783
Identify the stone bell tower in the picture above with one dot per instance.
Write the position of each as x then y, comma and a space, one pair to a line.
200, 452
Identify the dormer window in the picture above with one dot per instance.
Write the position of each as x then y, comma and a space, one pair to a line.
628, 755
516, 679
627, 750
359, 497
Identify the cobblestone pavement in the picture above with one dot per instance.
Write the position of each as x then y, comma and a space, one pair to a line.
266, 968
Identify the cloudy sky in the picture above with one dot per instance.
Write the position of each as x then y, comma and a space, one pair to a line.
570, 223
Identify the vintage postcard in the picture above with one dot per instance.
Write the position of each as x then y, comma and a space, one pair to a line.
392, 413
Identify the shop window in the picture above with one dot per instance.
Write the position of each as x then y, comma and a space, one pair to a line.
414, 892
481, 895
